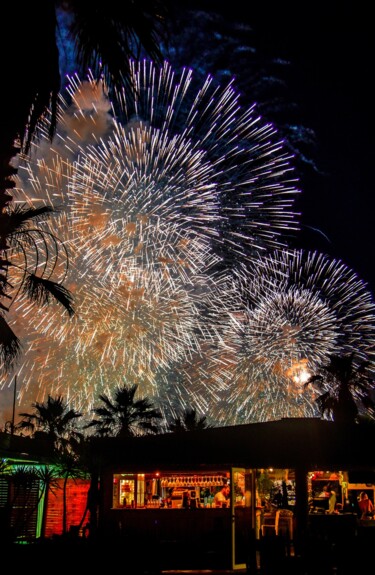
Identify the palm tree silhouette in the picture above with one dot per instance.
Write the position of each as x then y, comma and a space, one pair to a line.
90, 460
26, 486
124, 415
189, 420
345, 384
68, 466
104, 37
27, 268
55, 420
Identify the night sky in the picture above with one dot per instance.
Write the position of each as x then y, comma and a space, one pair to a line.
330, 58
326, 75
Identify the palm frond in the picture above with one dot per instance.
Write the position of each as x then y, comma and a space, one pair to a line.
4, 264
48, 477
107, 401
40, 290
69, 416
26, 424
106, 36
4, 285
313, 379
10, 345
325, 403
3, 307
16, 220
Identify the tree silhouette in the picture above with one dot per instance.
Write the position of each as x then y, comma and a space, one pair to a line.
101, 36
68, 467
90, 460
124, 415
28, 266
189, 420
26, 485
345, 384
55, 421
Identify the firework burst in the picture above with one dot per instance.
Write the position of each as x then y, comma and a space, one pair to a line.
296, 309
157, 191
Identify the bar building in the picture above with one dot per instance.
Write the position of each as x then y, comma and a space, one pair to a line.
157, 492
160, 489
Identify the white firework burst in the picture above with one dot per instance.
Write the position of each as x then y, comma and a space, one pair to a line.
155, 191
296, 309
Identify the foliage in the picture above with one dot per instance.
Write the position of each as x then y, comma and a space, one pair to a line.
124, 415
54, 419
28, 263
100, 36
23, 482
90, 461
68, 467
189, 420
346, 386
264, 482
104, 37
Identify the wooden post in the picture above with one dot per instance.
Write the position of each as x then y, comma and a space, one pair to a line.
14, 404
301, 510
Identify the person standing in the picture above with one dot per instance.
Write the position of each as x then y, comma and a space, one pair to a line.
332, 501
365, 505
186, 499
221, 497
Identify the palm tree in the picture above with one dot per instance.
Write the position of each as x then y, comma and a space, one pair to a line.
103, 37
345, 384
27, 268
189, 420
68, 467
48, 479
56, 422
90, 460
125, 416
26, 486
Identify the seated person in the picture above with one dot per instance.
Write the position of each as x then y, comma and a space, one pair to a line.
325, 491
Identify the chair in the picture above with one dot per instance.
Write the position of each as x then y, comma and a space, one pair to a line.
286, 523
271, 524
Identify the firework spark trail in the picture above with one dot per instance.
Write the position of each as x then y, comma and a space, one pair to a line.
146, 318
297, 309
154, 193
248, 172
145, 199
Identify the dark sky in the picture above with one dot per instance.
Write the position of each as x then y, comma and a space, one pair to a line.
331, 63
331, 58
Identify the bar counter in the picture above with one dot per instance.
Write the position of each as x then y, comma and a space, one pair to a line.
196, 537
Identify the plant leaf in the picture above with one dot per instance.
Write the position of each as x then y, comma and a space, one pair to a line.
10, 345
40, 290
